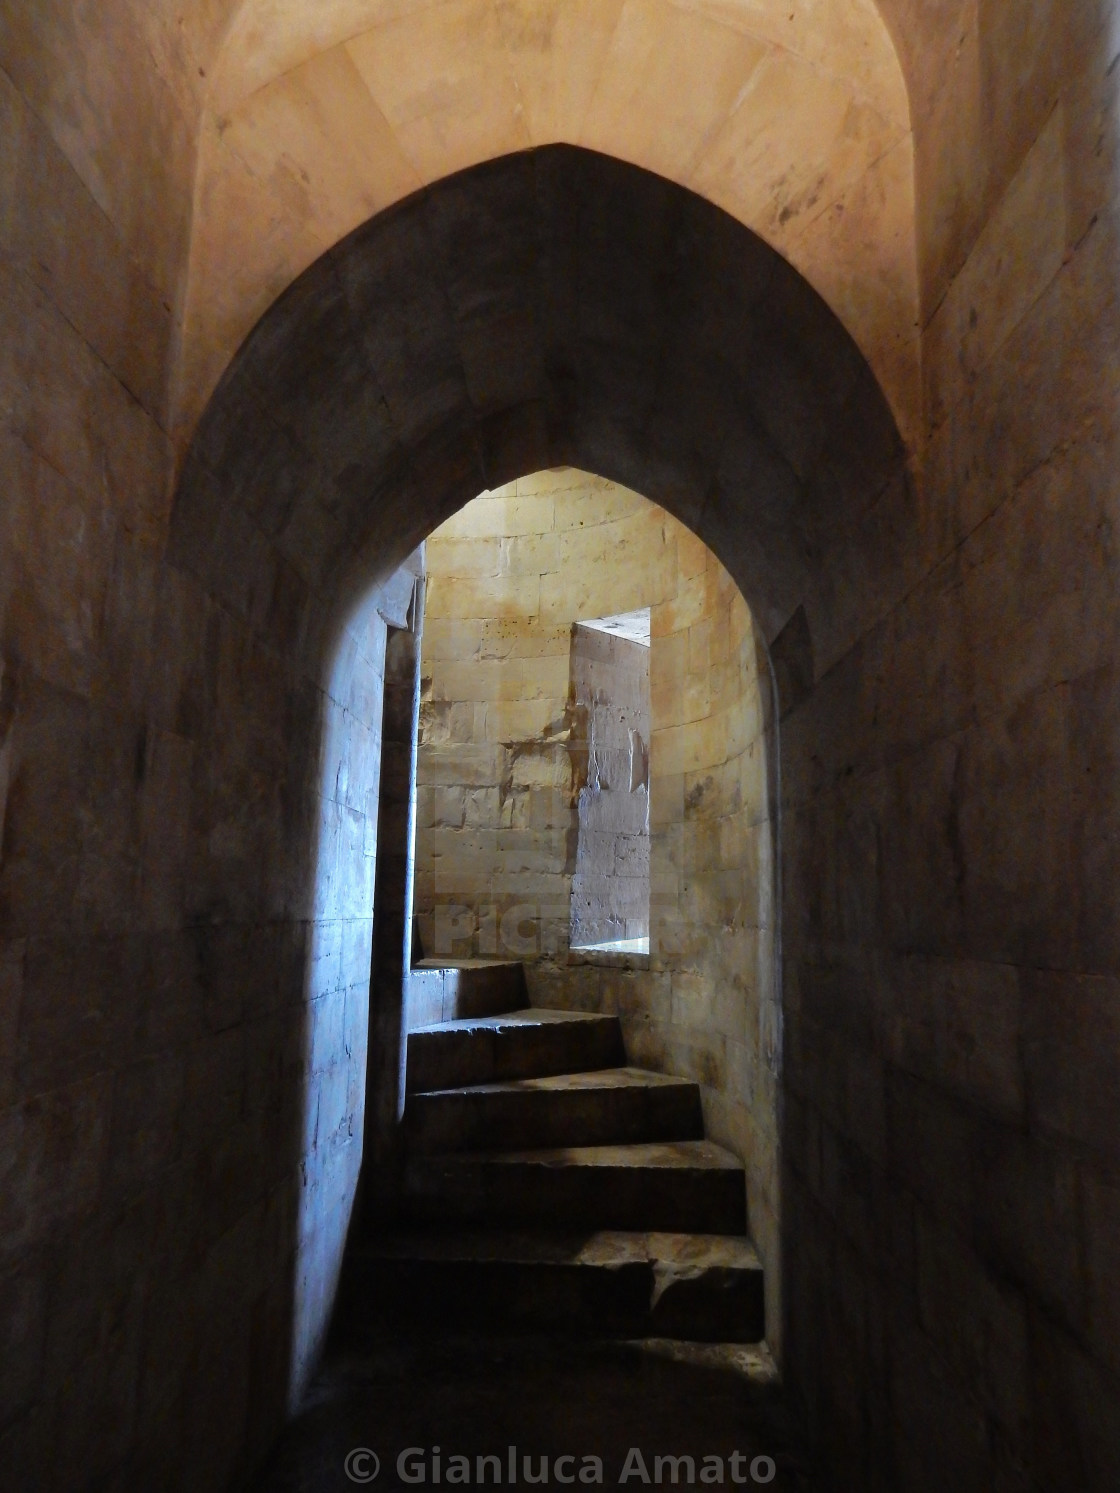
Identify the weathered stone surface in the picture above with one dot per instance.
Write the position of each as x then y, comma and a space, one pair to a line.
688, 1286
685, 1185
603, 1108
940, 615
527, 1044
592, 547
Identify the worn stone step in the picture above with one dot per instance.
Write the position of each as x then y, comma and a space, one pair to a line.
696, 1287
517, 1044
613, 1106
451, 989
676, 1187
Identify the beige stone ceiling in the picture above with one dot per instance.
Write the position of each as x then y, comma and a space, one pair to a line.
792, 116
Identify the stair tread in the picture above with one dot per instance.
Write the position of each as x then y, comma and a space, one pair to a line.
606, 1248
683, 1154
598, 1078
465, 964
529, 1016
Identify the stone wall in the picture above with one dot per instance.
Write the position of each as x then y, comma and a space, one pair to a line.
609, 692
952, 1192
504, 741
945, 848
714, 910
949, 749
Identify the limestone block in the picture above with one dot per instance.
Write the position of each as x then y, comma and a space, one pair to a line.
55, 595
978, 1322
517, 723
961, 1026
713, 792
541, 765
530, 554
638, 994
121, 121
298, 117
54, 1150
663, 52
474, 681
631, 858
507, 513
797, 139
98, 290
1076, 1395
451, 638
69, 408
146, 1131
875, 216
951, 165
1017, 255
1026, 1202
589, 501
1007, 872
1030, 579
1102, 1230
449, 810
445, 723
23, 1293
477, 766
516, 640
666, 801
697, 697
12, 125
475, 112
1089, 104
1023, 56
457, 559
240, 285
930, 1141
680, 610
548, 885
1069, 1053
455, 846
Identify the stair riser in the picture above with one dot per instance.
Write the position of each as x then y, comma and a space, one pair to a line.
510, 1194
534, 1119
447, 1060
452, 994
720, 1306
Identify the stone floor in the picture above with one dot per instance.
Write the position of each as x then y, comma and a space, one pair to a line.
472, 1398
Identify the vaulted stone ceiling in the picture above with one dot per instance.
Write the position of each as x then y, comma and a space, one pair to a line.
288, 122
792, 117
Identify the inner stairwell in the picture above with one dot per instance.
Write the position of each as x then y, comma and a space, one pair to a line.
548, 1185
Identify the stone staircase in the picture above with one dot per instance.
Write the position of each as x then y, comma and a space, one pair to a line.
547, 1185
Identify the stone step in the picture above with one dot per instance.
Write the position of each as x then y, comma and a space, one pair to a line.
516, 1044
451, 989
675, 1187
696, 1287
613, 1106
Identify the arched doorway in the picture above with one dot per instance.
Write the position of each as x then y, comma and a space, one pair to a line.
554, 307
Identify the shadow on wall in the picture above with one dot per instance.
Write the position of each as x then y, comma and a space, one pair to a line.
337, 989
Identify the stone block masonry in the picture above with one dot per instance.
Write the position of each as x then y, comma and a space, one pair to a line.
942, 605
519, 857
